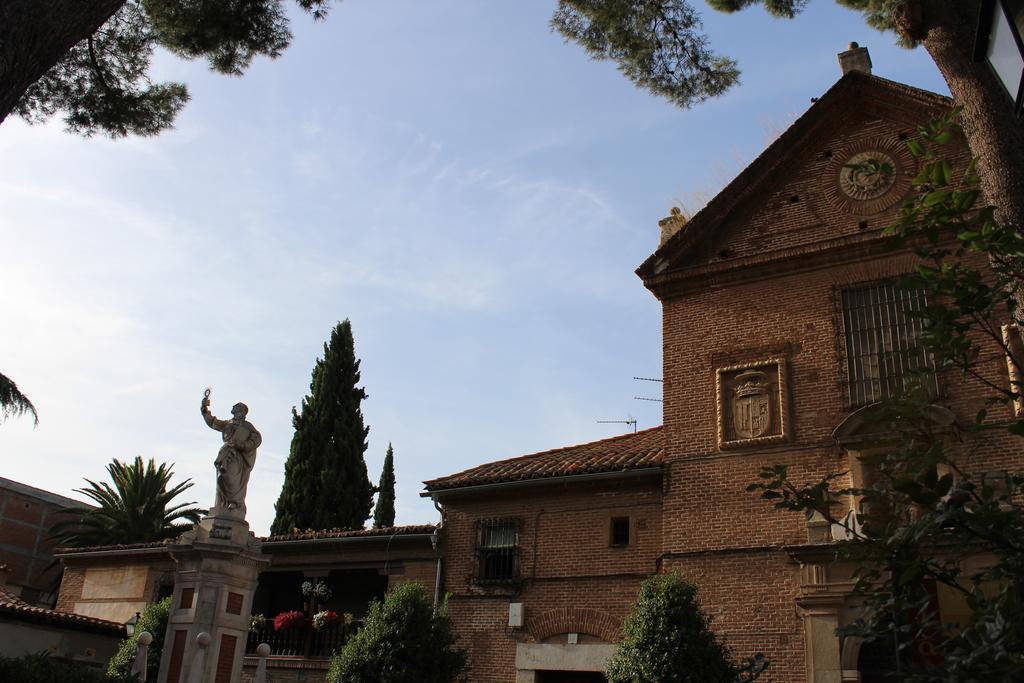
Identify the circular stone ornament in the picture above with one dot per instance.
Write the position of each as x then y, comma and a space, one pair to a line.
869, 176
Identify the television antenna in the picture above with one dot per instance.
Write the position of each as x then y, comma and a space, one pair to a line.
630, 421
645, 398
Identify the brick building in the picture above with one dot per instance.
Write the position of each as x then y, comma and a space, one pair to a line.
780, 324
26, 515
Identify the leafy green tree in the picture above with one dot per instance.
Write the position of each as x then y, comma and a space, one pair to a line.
926, 512
135, 509
668, 639
154, 620
13, 403
659, 45
90, 58
325, 480
384, 511
403, 640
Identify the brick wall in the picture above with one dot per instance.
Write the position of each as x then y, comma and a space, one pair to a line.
570, 576
71, 584
26, 515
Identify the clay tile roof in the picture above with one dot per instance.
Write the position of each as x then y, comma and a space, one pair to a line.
12, 608
105, 548
317, 534
620, 453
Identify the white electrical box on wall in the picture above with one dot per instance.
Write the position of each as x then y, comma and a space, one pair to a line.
515, 614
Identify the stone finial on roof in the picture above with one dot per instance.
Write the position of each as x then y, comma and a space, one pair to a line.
856, 58
672, 224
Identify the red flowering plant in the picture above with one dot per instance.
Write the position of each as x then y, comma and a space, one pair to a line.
289, 619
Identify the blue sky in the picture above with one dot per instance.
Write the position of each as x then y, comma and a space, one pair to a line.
472, 192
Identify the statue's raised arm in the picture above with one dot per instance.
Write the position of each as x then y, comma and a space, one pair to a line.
211, 421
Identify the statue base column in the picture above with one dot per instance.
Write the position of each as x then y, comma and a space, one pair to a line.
218, 563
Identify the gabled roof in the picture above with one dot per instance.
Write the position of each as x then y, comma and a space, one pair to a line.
13, 608
639, 450
854, 86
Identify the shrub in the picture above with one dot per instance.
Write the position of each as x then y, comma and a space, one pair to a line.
154, 620
402, 641
668, 639
41, 668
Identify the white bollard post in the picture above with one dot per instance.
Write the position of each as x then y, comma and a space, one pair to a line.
262, 651
141, 656
199, 663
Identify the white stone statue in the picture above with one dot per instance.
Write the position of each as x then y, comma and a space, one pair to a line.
235, 460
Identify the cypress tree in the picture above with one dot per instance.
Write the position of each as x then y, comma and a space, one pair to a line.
384, 512
325, 480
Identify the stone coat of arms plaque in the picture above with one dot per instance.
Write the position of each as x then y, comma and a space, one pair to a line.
751, 408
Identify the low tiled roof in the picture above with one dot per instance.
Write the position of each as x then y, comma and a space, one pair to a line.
620, 453
14, 608
307, 535
315, 534
123, 546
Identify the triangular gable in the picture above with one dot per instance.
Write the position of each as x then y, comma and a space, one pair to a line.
797, 193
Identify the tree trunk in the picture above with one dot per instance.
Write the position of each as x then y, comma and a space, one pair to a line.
36, 34
994, 133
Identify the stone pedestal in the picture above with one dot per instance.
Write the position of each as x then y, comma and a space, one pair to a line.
218, 563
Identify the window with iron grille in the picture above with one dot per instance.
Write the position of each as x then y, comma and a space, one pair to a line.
497, 550
883, 352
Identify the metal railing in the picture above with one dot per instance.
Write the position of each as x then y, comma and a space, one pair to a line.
301, 641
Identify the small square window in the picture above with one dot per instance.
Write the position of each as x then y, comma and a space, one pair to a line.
620, 531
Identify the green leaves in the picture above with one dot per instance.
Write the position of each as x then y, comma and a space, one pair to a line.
136, 508
402, 640
14, 403
326, 485
102, 84
384, 510
668, 638
228, 33
152, 619
657, 44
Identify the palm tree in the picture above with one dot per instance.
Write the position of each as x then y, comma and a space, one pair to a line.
136, 509
13, 402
